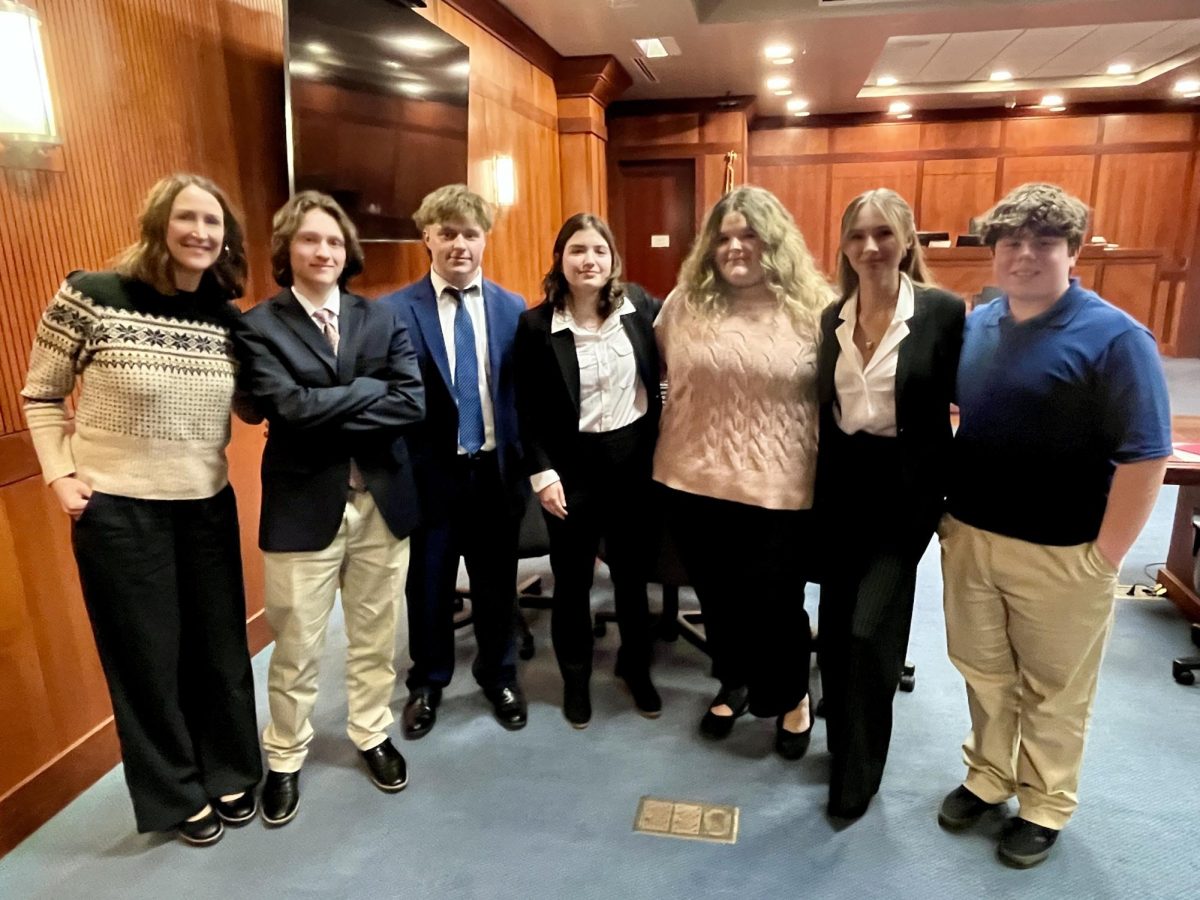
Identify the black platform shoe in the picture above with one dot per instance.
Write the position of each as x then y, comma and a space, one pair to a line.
718, 727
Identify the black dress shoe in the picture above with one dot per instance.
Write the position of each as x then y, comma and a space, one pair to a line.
280, 797
645, 697
717, 727
792, 745
238, 811
387, 766
201, 832
577, 703
961, 809
509, 706
1026, 843
420, 712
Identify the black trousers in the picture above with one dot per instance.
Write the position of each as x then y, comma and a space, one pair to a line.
479, 526
866, 611
607, 489
748, 567
162, 580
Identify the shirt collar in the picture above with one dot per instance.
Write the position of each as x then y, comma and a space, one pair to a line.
333, 301
1059, 315
905, 306
563, 319
440, 284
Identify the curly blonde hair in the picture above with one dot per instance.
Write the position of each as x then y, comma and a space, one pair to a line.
791, 274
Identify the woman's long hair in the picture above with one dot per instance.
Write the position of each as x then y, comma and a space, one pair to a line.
555, 286
791, 274
899, 215
149, 260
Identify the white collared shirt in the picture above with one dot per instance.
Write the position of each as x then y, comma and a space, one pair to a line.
866, 395
611, 395
333, 303
447, 307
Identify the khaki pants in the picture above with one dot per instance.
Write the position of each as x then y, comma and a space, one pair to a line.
369, 564
1026, 626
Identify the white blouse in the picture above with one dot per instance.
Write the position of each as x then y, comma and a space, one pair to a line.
611, 395
866, 395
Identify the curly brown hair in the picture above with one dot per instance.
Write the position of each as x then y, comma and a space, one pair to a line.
149, 260
286, 223
1042, 209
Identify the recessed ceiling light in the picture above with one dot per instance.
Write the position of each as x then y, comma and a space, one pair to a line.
778, 82
777, 51
797, 104
652, 48
783, 92
904, 116
1057, 108
1052, 100
1187, 86
899, 107
802, 113
886, 81
783, 61
317, 47
1001, 75
1120, 69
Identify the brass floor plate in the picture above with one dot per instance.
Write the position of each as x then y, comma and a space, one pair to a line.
687, 819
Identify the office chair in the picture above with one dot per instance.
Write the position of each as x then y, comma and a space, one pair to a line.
1184, 668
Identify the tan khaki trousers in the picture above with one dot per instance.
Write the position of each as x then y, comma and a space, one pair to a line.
370, 565
1026, 626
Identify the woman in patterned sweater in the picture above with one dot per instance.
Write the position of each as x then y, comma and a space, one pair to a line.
143, 475
737, 450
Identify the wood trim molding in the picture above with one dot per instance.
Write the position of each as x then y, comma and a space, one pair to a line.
502, 24
972, 153
602, 78
730, 103
840, 120
667, 151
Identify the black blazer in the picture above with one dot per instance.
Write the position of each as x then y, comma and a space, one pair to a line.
324, 410
548, 381
925, 376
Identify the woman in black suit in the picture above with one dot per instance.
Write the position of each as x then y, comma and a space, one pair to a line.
588, 404
889, 354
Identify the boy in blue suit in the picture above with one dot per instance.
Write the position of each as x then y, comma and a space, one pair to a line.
466, 458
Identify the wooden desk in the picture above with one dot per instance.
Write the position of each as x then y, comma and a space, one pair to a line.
1176, 575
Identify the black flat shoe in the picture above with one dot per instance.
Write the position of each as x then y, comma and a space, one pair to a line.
201, 832
237, 811
280, 798
792, 745
577, 703
645, 697
508, 704
420, 712
718, 727
388, 770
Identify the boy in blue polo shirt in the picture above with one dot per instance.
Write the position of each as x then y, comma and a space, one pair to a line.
1062, 444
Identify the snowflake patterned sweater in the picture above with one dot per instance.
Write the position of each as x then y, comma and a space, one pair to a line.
158, 373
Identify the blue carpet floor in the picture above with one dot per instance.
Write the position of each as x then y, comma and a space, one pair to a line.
547, 812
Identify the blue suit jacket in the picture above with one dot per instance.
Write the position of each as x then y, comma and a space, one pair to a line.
434, 442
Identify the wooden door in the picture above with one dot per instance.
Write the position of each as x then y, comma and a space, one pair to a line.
655, 204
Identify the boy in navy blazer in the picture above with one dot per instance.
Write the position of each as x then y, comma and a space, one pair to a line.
467, 460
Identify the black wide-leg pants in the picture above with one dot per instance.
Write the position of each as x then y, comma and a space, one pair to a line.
608, 498
866, 610
748, 566
162, 580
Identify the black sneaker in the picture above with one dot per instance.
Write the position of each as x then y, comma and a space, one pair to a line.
962, 809
1025, 843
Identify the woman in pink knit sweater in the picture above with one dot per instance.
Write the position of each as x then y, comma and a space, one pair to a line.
737, 452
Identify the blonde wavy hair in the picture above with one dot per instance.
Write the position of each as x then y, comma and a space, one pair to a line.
791, 274
899, 216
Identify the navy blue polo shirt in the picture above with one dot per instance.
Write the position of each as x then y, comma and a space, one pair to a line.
1049, 407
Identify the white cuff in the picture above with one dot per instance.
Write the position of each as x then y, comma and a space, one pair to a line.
543, 480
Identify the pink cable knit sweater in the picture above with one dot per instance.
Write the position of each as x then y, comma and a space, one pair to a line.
740, 420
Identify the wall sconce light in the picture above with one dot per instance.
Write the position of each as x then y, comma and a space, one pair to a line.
505, 180
28, 133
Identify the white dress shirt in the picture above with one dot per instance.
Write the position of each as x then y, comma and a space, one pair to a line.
447, 307
333, 303
866, 395
611, 395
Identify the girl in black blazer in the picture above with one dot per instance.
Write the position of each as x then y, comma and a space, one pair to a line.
588, 406
889, 354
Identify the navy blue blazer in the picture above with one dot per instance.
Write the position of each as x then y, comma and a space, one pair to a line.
324, 410
434, 443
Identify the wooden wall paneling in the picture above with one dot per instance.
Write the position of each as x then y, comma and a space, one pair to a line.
788, 142
1137, 199
953, 191
1025, 134
1133, 288
875, 138
804, 191
960, 135
649, 131
848, 180
584, 182
1134, 129
1073, 173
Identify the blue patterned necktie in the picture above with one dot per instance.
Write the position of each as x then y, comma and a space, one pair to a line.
466, 378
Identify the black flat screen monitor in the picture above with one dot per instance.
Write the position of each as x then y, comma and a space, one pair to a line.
376, 109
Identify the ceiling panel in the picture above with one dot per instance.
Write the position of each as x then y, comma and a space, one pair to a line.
1170, 41
904, 57
1032, 49
962, 54
1104, 45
